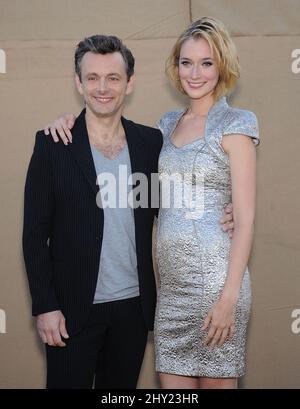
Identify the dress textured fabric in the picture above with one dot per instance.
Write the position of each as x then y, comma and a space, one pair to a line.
193, 251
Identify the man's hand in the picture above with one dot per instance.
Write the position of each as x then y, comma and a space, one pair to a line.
51, 326
227, 220
62, 125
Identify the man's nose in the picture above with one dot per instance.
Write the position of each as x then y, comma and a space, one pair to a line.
102, 85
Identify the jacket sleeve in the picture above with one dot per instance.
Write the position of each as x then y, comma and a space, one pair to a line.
38, 212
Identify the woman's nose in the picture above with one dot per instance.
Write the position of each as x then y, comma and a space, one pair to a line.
196, 71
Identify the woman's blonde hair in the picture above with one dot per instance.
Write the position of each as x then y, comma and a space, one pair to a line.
224, 53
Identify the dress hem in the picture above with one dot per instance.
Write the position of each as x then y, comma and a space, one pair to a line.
200, 373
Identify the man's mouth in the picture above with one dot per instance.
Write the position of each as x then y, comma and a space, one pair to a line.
103, 100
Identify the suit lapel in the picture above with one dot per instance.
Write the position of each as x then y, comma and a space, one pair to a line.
138, 159
81, 150
136, 146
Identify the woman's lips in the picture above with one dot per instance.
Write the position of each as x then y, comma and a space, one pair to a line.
196, 84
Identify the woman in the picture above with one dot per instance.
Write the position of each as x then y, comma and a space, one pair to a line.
204, 291
204, 297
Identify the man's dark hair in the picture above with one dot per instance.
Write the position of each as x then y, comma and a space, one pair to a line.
102, 44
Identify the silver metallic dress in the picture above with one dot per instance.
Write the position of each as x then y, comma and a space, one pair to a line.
192, 249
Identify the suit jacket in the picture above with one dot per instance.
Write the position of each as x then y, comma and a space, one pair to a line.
63, 226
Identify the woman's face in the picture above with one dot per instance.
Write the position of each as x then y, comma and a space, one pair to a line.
197, 69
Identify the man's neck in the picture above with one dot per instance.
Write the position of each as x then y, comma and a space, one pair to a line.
106, 134
106, 130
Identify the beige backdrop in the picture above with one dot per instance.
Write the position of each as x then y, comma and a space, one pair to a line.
38, 39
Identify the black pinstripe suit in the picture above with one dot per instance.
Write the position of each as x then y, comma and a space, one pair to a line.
60, 205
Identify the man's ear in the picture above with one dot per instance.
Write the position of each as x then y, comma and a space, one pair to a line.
130, 85
78, 84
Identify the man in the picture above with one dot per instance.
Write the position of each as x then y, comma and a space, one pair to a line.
90, 267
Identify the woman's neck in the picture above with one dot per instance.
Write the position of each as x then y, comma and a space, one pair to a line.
201, 106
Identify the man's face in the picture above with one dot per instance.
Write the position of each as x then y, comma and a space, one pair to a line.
104, 83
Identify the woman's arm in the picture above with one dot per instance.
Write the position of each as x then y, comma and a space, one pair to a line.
62, 125
242, 156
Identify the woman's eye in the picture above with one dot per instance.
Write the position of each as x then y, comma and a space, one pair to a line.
207, 64
92, 78
185, 62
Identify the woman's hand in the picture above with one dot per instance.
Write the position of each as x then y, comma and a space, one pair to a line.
220, 321
62, 125
227, 220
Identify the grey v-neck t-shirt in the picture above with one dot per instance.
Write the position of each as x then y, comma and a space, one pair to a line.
118, 275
